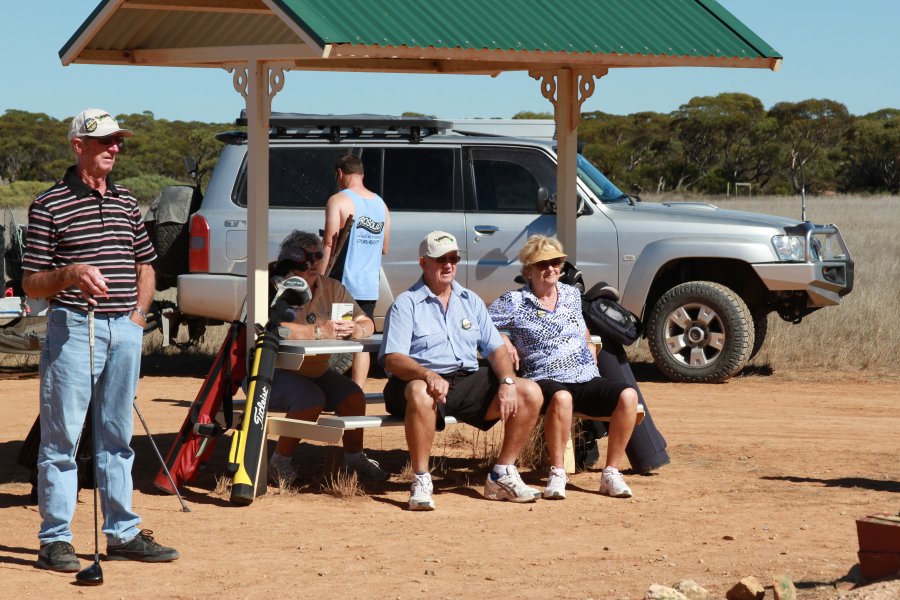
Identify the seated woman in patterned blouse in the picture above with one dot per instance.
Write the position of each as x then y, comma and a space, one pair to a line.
549, 343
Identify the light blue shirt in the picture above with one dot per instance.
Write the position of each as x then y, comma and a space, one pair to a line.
417, 327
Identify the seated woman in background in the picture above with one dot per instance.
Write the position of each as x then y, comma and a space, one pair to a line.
549, 343
304, 393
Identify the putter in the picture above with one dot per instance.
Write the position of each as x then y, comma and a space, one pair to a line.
93, 575
184, 507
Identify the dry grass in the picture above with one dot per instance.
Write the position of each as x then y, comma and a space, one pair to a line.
342, 484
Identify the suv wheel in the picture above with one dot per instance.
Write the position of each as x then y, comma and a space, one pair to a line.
700, 332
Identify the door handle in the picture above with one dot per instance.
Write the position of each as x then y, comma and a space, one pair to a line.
486, 229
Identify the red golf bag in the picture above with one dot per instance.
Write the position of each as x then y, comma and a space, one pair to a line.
197, 437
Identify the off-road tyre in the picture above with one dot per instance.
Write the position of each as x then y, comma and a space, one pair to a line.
700, 332
171, 243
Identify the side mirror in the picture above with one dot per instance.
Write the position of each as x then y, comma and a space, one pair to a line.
543, 197
190, 164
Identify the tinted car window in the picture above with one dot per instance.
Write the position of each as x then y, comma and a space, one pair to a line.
298, 177
508, 179
419, 179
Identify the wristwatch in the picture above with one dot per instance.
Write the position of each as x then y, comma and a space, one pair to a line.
508, 381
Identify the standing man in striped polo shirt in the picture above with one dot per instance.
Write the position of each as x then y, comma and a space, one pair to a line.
87, 247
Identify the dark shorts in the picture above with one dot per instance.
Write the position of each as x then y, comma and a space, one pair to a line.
292, 391
597, 397
368, 307
469, 398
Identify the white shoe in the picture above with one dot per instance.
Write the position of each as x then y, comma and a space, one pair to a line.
556, 484
613, 484
509, 487
420, 493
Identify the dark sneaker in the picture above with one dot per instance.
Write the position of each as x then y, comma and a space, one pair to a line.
142, 548
58, 556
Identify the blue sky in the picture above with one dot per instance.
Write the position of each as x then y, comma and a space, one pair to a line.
844, 51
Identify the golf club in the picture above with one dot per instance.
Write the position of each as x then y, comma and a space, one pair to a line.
93, 575
159, 456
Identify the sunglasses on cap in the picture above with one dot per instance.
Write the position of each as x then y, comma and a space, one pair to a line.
447, 258
546, 264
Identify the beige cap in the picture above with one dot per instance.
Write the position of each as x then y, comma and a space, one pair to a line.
438, 243
96, 123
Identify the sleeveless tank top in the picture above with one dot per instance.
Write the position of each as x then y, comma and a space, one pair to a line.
362, 266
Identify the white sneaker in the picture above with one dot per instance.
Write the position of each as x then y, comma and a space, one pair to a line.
420, 493
281, 469
556, 484
613, 484
509, 487
368, 469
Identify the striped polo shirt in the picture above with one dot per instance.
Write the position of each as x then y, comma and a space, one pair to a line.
72, 223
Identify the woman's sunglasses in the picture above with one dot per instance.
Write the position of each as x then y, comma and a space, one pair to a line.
546, 264
448, 258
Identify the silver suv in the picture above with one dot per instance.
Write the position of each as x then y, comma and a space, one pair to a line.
702, 279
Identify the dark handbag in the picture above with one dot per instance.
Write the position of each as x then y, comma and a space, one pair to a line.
607, 318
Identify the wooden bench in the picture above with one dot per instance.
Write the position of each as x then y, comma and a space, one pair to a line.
330, 427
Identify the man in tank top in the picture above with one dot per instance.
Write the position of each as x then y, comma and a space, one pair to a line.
367, 242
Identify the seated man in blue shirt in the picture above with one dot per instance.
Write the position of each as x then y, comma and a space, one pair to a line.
432, 335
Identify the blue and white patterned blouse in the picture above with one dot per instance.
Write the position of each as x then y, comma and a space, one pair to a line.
551, 344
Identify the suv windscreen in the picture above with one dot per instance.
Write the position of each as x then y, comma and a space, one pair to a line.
602, 187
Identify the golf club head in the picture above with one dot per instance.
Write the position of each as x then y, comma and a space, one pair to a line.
293, 290
93, 575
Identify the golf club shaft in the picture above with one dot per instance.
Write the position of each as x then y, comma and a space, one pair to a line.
159, 456
95, 421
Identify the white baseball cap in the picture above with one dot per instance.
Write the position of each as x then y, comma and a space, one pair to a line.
96, 123
438, 243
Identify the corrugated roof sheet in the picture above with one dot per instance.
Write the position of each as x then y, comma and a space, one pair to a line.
418, 35
700, 28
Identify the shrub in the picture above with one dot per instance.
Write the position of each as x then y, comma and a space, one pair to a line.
19, 194
146, 187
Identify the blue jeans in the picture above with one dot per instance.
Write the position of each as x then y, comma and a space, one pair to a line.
64, 397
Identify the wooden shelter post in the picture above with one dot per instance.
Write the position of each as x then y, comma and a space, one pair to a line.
567, 89
258, 81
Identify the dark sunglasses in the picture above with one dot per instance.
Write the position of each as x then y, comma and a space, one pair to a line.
447, 258
110, 140
545, 264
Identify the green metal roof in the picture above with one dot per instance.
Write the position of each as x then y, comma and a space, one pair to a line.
418, 35
699, 28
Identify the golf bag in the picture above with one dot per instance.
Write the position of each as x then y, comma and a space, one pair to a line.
616, 325
84, 454
248, 444
197, 437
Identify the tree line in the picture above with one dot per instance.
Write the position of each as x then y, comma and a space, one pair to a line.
707, 145
712, 143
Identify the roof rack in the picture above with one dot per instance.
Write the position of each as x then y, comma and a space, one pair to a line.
335, 128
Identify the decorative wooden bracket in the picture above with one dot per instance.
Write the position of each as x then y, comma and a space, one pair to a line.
581, 88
